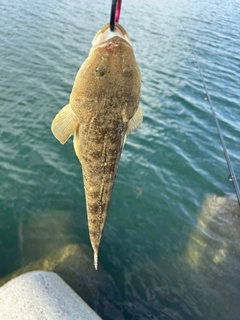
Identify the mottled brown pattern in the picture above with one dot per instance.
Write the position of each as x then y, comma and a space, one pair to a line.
105, 96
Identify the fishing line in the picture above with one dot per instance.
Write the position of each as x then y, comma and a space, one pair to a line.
232, 176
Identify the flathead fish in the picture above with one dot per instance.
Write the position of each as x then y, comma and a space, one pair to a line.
103, 109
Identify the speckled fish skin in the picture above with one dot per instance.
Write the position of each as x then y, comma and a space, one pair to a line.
105, 96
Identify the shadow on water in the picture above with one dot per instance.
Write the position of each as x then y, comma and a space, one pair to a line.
188, 285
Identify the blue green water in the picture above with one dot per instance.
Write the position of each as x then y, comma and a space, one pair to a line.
168, 166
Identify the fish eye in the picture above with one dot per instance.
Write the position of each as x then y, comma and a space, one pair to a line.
100, 71
126, 71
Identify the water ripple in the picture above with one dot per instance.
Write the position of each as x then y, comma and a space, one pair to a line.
168, 165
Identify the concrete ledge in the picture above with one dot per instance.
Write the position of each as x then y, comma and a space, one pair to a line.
41, 295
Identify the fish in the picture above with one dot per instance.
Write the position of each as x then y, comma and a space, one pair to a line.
103, 109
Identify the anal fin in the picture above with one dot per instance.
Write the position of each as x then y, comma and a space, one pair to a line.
76, 143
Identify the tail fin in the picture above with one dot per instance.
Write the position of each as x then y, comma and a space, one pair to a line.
95, 259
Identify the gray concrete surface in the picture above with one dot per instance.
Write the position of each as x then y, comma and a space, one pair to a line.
41, 295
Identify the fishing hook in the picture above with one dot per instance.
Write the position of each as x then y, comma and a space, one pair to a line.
115, 13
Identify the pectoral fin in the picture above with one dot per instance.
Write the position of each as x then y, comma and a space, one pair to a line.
134, 123
64, 124
76, 143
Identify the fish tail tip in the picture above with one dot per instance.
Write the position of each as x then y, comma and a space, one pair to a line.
96, 260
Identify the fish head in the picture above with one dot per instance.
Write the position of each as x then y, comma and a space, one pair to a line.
111, 75
105, 34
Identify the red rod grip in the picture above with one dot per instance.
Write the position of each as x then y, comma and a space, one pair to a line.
118, 9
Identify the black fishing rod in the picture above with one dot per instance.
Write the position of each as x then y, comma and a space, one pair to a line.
115, 13
232, 176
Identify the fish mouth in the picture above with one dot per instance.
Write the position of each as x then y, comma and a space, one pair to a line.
105, 34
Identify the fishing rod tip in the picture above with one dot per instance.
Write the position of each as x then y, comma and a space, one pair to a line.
115, 13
